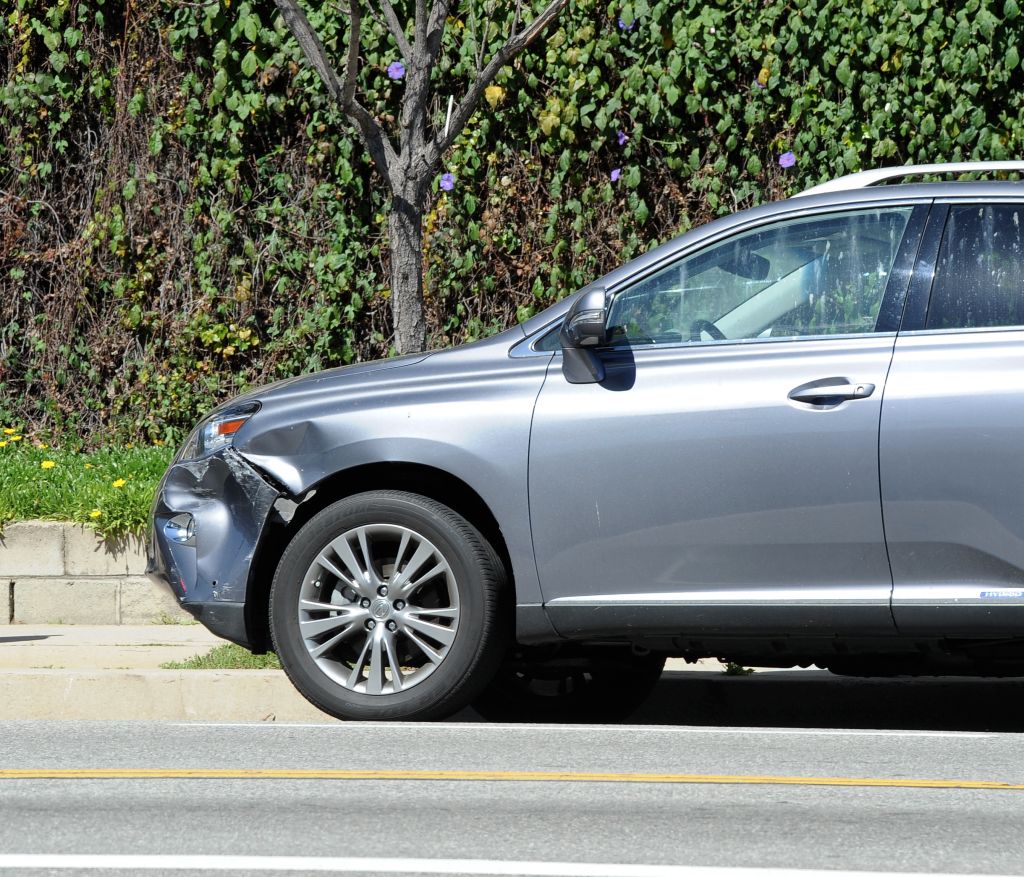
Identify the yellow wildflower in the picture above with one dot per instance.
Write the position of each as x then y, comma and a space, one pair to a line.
3, 444
47, 464
129, 446
89, 466
95, 513
9, 431
121, 482
42, 446
15, 438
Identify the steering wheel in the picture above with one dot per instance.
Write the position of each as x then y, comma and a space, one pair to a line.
698, 326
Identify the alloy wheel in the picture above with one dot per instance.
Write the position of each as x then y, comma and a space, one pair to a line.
378, 609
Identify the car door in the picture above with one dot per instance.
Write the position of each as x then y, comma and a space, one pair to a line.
724, 474
952, 437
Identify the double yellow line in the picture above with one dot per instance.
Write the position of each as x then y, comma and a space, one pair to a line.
492, 776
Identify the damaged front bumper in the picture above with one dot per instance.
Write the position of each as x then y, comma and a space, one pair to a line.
207, 521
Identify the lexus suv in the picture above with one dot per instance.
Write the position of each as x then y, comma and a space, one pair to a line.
792, 436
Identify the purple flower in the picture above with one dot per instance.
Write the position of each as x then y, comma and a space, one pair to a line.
626, 27
396, 70
759, 83
622, 138
615, 174
787, 159
447, 182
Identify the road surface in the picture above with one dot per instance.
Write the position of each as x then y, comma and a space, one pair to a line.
474, 798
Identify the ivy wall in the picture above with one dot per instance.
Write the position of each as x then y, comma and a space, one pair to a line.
183, 214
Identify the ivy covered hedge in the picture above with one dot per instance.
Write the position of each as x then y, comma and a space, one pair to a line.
183, 213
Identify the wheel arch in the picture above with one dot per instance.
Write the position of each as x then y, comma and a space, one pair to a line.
418, 478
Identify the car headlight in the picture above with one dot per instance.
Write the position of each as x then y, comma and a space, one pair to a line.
217, 432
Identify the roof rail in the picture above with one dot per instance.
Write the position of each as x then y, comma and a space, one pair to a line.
880, 175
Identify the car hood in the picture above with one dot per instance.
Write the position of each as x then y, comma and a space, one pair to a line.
327, 378
333, 383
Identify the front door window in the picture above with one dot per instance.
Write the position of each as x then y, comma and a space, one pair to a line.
815, 276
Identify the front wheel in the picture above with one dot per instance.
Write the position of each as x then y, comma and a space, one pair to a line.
385, 606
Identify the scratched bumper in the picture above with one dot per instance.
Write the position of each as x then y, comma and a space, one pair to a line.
228, 503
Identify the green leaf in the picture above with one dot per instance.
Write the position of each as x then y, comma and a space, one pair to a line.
251, 27
1012, 59
1010, 10
843, 73
250, 63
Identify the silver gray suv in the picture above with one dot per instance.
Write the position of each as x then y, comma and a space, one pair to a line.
793, 436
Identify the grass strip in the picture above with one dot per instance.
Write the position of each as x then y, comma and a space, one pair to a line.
226, 657
110, 490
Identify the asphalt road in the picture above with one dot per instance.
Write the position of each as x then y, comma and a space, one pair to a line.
473, 798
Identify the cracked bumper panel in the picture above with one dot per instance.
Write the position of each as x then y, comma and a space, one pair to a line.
207, 520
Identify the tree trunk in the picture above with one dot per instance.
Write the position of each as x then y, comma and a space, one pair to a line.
405, 232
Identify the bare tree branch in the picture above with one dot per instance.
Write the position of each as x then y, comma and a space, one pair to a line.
370, 130
515, 44
397, 31
438, 15
421, 21
352, 58
481, 47
435, 28
309, 42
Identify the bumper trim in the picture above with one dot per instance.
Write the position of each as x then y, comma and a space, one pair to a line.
225, 619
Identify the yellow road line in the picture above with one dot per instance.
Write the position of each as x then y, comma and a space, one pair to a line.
129, 773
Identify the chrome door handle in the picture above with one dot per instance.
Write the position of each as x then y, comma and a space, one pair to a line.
831, 391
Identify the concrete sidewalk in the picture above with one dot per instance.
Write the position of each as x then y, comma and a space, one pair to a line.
113, 672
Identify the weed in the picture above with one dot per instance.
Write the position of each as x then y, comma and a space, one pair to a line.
226, 657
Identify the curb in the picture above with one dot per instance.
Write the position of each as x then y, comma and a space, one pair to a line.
55, 573
115, 673
161, 695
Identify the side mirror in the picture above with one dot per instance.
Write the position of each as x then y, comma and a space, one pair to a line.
585, 328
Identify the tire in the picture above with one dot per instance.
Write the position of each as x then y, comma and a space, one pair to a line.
574, 686
414, 634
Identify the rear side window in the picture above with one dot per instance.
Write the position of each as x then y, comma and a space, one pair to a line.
979, 277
